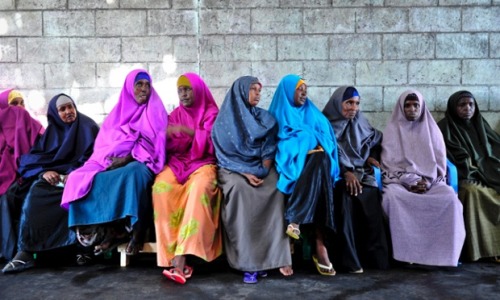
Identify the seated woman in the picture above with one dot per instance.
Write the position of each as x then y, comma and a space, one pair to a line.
18, 133
186, 198
358, 210
244, 137
474, 148
66, 145
307, 164
425, 215
109, 197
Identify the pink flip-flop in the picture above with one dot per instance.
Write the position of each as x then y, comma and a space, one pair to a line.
175, 274
188, 271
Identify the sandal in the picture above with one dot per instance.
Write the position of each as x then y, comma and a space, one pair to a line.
322, 269
250, 277
175, 274
188, 271
83, 259
17, 265
293, 231
133, 247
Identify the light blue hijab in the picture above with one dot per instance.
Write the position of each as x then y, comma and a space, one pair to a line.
300, 129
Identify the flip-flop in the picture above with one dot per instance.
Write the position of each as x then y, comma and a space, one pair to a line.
188, 271
175, 275
293, 231
250, 277
262, 274
17, 265
331, 270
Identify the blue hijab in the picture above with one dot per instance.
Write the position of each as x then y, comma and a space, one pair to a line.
63, 147
301, 128
243, 135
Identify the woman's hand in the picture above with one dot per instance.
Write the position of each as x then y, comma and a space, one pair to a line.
117, 162
52, 177
173, 129
372, 162
420, 187
353, 186
252, 179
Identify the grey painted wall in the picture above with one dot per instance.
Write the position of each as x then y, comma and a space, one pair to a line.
86, 47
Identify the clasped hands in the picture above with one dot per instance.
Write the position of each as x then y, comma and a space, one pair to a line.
53, 178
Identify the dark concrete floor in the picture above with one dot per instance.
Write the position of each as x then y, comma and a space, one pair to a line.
143, 280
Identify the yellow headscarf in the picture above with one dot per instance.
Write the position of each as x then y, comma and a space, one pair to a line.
13, 95
183, 81
301, 82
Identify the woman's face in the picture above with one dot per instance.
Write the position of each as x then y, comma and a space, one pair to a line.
254, 94
67, 112
185, 95
300, 95
412, 109
17, 102
142, 91
466, 108
350, 107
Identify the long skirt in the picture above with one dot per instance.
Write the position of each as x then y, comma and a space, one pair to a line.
254, 227
187, 216
361, 236
44, 224
311, 202
482, 220
123, 193
427, 228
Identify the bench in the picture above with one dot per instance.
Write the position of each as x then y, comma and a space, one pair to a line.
124, 258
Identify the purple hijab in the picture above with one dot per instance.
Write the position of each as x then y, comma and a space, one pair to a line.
185, 153
413, 149
130, 128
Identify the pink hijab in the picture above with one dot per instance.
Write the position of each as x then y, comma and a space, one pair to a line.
4, 98
185, 153
130, 128
413, 149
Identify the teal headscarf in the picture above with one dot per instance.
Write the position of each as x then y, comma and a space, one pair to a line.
301, 128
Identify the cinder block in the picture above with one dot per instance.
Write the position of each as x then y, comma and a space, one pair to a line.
220, 93
222, 75
271, 72
113, 74
493, 120
381, 72
443, 93
234, 21
409, 46
8, 50
355, 46
92, 4
329, 20
23, 76
318, 95
268, 21
481, 71
185, 49
146, 49
45, 4
481, 19
462, 45
411, 3
230, 4
381, 20
120, 23
435, 19
378, 120
43, 50
212, 48
495, 45
183, 4
371, 98
70, 75
238, 47
68, 23
392, 93
464, 2
149, 4
302, 3
7, 4
172, 22
330, 73
20, 23
95, 50
357, 3
434, 72
494, 101
310, 47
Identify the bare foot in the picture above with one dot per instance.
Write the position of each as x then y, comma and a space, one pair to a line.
286, 270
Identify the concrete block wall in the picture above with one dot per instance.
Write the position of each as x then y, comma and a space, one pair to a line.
383, 47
